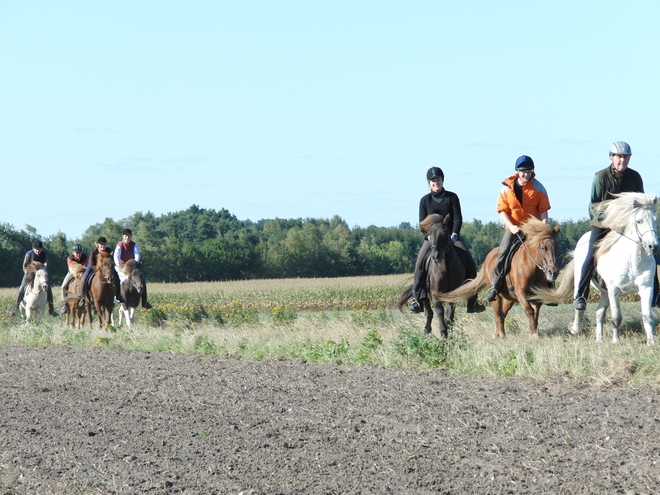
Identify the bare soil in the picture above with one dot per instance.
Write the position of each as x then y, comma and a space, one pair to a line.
104, 421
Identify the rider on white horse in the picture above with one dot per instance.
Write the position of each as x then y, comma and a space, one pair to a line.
617, 178
37, 253
126, 250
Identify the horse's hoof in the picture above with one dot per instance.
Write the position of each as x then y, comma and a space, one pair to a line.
535, 336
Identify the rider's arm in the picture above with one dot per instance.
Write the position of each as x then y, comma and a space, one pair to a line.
26, 262
136, 251
117, 255
506, 220
544, 216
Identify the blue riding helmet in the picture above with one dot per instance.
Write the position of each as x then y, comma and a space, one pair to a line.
524, 163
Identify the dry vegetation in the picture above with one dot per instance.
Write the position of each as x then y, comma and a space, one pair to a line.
350, 320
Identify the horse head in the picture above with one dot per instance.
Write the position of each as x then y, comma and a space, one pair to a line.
542, 246
632, 215
439, 234
133, 275
646, 226
104, 267
41, 279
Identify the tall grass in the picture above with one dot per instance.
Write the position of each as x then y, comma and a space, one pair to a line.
351, 321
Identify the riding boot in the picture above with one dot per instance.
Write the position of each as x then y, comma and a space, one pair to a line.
474, 306
19, 299
51, 308
418, 293
118, 295
145, 303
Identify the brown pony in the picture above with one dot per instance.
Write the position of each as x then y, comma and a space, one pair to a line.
533, 265
102, 288
72, 298
445, 272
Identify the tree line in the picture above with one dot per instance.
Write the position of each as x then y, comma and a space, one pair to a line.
201, 244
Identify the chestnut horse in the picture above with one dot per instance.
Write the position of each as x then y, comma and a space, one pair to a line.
102, 288
131, 289
75, 317
533, 265
445, 272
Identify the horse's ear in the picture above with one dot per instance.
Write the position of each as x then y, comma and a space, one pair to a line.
557, 229
446, 219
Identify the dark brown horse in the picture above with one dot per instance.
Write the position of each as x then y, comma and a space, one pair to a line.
131, 289
102, 288
75, 317
533, 265
445, 272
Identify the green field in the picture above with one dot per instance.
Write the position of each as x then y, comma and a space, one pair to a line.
352, 321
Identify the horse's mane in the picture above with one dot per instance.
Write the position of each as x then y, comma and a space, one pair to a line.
76, 268
101, 257
616, 213
130, 267
535, 231
34, 266
429, 221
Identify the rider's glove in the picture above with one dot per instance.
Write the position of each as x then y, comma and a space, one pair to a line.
454, 237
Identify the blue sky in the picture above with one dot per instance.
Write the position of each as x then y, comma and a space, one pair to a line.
311, 109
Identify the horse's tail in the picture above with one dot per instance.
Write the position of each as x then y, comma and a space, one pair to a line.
71, 298
404, 298
465, 291
558, 295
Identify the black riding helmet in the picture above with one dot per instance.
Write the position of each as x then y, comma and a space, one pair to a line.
435, 173
77, 248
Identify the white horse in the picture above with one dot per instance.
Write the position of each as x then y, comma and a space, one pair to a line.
624, 260
33, 305
625, 263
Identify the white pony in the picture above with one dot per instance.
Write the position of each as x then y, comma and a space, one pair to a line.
33, 305
624, 262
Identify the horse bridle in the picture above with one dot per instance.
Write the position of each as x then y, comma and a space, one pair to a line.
544, 268
445, 250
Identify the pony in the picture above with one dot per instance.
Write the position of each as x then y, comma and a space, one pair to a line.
131, 289
624, 260
102, 288
534, 264
33, 305
75, 317
445, 272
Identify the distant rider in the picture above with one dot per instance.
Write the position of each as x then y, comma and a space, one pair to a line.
77, 257
101, 247
37, 253
126, 250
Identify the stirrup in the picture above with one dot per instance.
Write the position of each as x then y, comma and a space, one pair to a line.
491, 295
415, 307
580, 303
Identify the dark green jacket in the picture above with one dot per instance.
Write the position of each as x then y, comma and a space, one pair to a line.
605, 184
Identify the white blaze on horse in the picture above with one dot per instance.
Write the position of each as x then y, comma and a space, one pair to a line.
33, 305
625, 262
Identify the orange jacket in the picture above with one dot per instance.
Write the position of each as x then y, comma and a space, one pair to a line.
535, 200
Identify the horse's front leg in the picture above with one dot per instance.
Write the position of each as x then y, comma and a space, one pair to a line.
601, 313
646, 302
450, 312
501, 308
439, 309
532, 312
429, 316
